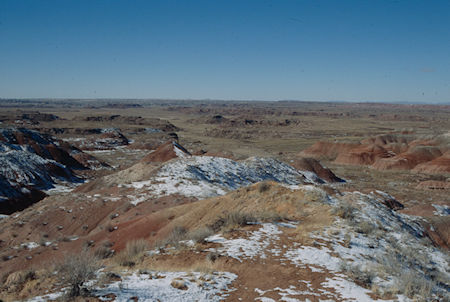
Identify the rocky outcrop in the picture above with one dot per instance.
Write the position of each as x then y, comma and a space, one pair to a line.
166, 152
313, 165
30, 163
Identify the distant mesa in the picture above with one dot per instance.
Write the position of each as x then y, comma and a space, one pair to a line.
20, 117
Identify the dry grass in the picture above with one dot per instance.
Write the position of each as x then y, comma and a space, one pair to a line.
199, 235
132, 252
16, 281
232, 220
408, 266
103, 252
177, 234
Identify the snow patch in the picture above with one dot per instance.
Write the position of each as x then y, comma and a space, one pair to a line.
29, 245
248, 248
199, 287
441, 210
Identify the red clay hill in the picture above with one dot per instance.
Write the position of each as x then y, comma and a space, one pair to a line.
388, 152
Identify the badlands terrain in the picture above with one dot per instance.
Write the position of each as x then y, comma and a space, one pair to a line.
167, 200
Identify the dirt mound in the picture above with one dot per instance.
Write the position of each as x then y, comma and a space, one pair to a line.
409, 159
166, 152
388, 152
328, 150
313, 165
253, 199
440, 164
362, 155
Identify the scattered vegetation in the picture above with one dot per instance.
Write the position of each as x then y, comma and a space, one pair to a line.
408, 266
414, 286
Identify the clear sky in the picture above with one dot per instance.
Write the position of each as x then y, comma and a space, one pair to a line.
393, 51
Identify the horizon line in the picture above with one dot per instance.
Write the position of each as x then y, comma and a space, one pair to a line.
115, 99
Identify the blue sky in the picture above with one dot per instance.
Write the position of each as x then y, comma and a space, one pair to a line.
393, 51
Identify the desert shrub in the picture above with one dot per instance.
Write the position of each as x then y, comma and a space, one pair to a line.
365, 227
88, 244
66, 239
347, 240
263, 187
110, 228
7, 257
363, 277
345, 211
43, 241
270, 216
201, 234
179, 284
178, 234
103, 252
212, 256
232, 219
75, 270
128, 256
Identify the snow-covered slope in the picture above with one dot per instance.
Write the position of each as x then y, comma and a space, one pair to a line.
21, 166
30, 162
207, 176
